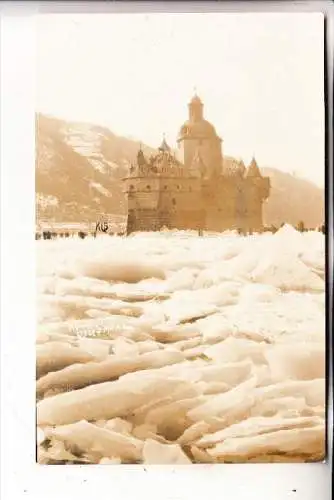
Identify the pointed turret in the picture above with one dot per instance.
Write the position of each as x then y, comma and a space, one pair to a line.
253, 169
164, 146
141, 160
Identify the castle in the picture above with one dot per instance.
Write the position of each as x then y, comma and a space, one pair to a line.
194, 188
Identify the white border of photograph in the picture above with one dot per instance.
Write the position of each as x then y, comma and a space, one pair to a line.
22, 478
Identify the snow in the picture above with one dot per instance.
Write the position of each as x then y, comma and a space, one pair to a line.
170, 454
87, 141
169, 348
45, 201
90, 438
98, 186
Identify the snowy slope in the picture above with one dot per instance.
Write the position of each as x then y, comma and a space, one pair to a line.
80, 166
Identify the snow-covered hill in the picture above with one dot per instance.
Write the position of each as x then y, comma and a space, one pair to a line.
79, 168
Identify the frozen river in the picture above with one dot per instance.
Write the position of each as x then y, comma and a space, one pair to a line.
167, 348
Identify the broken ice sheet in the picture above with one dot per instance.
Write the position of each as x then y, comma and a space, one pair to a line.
197, 366
160, 454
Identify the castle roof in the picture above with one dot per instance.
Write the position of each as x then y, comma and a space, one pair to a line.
141, 160
162, 160
253, 169
164, 146
201, 129
196, 127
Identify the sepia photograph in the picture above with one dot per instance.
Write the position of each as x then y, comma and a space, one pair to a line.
180, 238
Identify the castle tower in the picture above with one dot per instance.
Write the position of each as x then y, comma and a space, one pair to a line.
194, 191
161, 194
258, 188
195, 109
198, 169
253, 169
197, 134
141, 160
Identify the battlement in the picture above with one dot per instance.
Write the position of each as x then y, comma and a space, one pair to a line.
159, 171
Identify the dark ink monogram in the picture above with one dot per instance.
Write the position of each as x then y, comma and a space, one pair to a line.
102, 226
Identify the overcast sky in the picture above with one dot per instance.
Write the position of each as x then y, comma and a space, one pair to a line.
260, 76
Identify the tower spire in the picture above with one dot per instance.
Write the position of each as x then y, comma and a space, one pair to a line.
253, 169
164, 146
195, 108
141, 160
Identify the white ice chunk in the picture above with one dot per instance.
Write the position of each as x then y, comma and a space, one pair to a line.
88, 437
307, 441
224, 403
106, 400
53, 356
155, 453
258, 425
305, 361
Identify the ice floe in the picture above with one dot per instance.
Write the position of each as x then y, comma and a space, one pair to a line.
169, 348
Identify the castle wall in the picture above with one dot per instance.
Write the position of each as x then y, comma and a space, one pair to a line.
155, 220
160, 202
182, 202
186, 151
210, 151
144, 219
254, 203
143, 193
143, 184
185, 203
188, 219
235, 203
184, 185
220, 205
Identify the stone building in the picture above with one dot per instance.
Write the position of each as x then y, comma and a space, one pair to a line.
194, 188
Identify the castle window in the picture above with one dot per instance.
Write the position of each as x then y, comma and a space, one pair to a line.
174, 201
178, 187
148, 188
131, 187
165, 187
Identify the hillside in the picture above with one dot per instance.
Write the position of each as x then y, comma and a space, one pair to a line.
293, 200
79, 168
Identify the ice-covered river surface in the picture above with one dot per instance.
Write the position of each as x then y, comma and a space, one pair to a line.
169, 348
